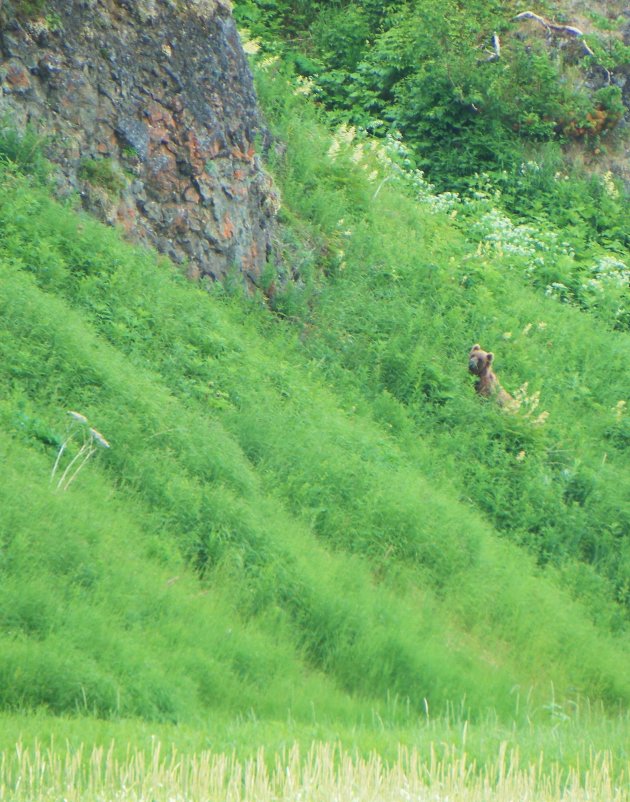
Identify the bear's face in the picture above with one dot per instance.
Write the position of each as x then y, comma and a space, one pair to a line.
479, 361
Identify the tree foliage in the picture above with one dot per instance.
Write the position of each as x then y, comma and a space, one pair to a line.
434, 72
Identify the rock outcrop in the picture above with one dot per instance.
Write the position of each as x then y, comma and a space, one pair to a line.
148, 108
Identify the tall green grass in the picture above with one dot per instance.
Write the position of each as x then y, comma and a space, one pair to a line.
330, 564
304, 508
406, 294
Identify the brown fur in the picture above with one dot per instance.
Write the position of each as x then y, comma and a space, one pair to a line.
487, 384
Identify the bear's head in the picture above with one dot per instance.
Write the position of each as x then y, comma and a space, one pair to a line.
479, 361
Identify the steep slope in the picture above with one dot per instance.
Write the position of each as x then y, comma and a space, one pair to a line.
254, 537
414, 279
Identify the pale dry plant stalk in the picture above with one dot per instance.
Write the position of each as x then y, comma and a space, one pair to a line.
326, 772
92, 440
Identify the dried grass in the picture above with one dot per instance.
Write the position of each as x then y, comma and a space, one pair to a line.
325, 774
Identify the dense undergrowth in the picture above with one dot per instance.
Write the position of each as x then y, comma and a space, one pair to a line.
480, 96
297, 513
305, 514
408, 294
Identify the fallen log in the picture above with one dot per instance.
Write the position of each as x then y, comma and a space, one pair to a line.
553, 27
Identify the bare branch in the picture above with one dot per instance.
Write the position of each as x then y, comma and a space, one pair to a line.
552, 27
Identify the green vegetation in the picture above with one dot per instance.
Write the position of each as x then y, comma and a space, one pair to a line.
233, 455
474, 92
325, 770
23, 149
27, 9
103, 173
288, 518
410, 294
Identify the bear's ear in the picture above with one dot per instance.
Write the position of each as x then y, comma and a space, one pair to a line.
489, 357
476, 347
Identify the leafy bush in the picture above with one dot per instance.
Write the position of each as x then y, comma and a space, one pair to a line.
23, 150
429, 71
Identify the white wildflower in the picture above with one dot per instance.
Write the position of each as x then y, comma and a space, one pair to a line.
268, 62
304, 85
611, 271
357, 153
90, 438
346, 133
609, 185
250, 46
557, 290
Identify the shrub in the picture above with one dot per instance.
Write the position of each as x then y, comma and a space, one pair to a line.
23, 150
103, 173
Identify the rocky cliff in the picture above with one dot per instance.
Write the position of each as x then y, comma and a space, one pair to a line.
149, 110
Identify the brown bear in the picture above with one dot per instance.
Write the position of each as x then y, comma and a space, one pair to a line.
479, 364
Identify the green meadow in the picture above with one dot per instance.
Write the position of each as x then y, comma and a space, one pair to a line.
283, 520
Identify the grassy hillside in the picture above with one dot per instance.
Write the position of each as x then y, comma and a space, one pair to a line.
409, 296
332, 498
289, 514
